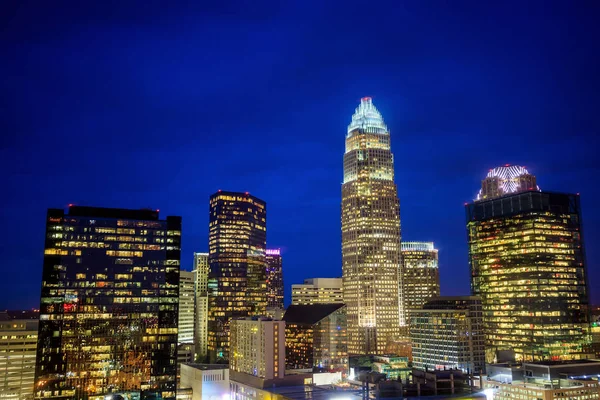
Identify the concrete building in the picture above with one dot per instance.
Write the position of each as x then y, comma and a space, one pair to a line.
549, 380
18, 341
420, 274
316, 337
257, 347
185, 328
208, 382
201, 268
448, 333
318, 290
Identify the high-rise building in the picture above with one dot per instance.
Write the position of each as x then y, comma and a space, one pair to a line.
505, 180
109, 304
448, 333
274, 279
318, 290
370, 235
527, 263
200, 271
18, 340
237, 283
185, 333
258, 347
315, 337
420, 274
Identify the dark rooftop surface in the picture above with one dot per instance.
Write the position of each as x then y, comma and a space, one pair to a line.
309, 314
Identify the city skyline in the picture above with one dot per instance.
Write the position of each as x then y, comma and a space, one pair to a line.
489, 96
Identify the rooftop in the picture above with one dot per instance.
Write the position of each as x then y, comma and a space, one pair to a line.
310, 314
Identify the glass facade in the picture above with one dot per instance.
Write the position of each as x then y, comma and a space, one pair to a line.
448, 333
274, 279
200, 271
420, 274
528, 265
109, 304
316, 337
370, 235
237, 282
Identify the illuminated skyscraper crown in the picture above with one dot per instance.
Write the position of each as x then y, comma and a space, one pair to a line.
368, 118
505, 180
417, 246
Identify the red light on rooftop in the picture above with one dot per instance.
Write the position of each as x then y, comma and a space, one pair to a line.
466, 204
219, 190
71, 204
367, 98
507, 165
577, 194
247, 193
157, 210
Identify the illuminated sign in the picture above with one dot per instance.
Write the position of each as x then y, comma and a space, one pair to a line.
273, 252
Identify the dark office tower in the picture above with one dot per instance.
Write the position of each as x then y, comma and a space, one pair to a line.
528, 266
274, 279
370, 235
237, 283
109, 303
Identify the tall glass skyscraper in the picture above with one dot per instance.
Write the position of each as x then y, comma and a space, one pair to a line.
237, 282
528, 266
370, 235
109, 302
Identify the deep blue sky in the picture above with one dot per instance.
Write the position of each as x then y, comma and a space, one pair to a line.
139, 105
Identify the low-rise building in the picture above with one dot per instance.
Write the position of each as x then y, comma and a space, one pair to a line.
394, 367
315, 337
207, 381
549, 380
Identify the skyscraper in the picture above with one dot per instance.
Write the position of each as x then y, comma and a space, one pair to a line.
274, 278
527, 263
185, 328
370, 235
237, 283
200, 271
109, 303
420, 274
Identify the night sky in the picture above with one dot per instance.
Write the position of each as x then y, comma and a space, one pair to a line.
135, 105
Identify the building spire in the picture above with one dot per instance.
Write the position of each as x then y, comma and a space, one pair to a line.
368, 118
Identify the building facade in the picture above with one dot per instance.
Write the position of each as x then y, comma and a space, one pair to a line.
109, 304
274, 279
573, 380
448, 333
201, 269
237, 282
258, 347
370, 235
186, 319
318, 290
206, 381
18, 341
528, 265
420, 274
316, 337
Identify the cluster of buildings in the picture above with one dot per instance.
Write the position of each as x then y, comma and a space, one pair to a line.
121, 319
